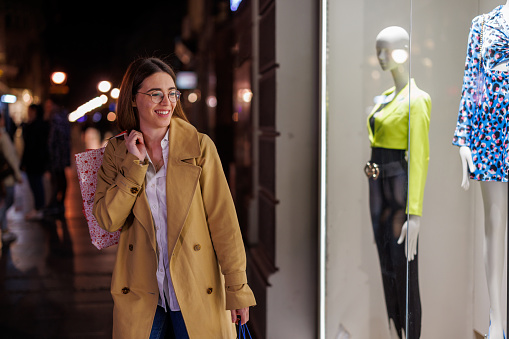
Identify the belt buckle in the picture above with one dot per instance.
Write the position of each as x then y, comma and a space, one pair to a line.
372, 170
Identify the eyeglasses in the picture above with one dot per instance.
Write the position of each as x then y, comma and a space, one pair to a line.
158, 96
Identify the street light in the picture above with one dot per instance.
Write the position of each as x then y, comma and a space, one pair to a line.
104, 86
192, 97
58, 78
245, 95
88, 107
115, 93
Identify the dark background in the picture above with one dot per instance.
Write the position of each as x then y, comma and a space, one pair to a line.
90, 40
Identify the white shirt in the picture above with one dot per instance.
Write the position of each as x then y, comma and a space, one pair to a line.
156, 195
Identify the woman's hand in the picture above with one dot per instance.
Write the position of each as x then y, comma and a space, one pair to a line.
244, 315
467, 164
136, 145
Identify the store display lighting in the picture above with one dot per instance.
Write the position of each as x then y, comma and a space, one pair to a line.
400, 56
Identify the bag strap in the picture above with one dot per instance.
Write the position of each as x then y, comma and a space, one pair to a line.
116, 136
242, 331
125, 132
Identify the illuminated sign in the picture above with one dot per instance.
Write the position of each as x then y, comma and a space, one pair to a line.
234, 4
8, 98
187, 80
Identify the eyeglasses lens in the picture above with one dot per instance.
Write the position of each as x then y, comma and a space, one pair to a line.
157, 97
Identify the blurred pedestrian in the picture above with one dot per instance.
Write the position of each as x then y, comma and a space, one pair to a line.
59, 153
9, 175
92, 138
35, 160
180, 270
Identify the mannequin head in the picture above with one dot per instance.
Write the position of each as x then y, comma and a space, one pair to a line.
392, 47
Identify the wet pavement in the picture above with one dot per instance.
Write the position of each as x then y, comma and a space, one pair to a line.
53, 282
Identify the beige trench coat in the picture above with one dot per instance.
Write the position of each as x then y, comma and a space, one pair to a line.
208, 261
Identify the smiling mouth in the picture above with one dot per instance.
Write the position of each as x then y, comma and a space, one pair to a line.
163, 112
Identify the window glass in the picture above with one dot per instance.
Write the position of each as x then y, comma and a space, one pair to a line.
398, 106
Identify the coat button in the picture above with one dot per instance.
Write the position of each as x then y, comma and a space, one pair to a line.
126, 290
131, 247
197, 247
134, 190
209, 290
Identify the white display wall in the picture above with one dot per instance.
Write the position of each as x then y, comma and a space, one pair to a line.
451, 268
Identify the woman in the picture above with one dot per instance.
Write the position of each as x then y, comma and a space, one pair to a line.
181, 261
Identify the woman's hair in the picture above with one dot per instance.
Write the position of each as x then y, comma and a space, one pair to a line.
137, 72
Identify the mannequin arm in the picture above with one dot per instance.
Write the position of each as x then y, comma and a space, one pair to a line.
466, 160
413, 224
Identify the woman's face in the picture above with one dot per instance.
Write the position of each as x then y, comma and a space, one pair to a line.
155, 115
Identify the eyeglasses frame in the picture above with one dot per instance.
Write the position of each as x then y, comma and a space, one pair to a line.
168, 95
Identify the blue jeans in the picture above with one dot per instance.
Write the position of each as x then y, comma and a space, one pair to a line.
168, 325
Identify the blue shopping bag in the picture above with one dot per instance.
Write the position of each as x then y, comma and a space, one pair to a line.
243, 329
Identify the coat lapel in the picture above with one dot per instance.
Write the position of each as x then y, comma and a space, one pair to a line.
181, 177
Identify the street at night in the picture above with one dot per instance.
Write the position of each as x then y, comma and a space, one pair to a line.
214, 185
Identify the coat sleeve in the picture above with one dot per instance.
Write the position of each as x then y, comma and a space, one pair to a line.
224, 227
11, 156
469, 89
419, 152
119, 182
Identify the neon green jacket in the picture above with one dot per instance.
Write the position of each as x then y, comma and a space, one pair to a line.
391, 131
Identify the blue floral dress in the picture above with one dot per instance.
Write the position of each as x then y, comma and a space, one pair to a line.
482, 124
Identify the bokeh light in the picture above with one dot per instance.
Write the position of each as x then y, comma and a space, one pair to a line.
104, 86
58, 78
115, 93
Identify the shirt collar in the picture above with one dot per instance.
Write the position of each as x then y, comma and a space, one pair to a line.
165, 138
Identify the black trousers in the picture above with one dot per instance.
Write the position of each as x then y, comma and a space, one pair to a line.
58, 187
387, 198
37, 187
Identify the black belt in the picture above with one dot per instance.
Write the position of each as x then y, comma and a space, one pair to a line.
390, 169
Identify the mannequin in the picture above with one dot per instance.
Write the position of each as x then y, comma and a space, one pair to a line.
471, 135
391, 171
389, 40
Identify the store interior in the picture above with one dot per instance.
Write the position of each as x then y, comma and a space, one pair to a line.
451, 268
